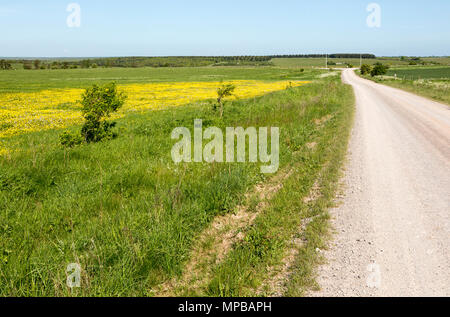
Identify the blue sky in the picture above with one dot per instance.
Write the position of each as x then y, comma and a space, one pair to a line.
231, 27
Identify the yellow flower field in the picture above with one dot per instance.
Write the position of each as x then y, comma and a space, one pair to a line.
50, 109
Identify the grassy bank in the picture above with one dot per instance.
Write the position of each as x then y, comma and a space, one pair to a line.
429, 82
277, 255
129, 216
417, 73
435, 90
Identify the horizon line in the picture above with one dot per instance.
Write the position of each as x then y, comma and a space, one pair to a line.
206, 56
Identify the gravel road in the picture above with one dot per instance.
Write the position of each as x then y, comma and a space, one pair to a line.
392, 229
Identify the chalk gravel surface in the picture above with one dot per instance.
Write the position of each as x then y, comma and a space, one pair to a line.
392, 228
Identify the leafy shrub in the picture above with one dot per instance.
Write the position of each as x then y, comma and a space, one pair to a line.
366, 69
96, 131
379, 69
98, 103
68, 139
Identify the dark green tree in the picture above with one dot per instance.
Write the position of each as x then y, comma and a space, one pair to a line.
379, 69
366, 69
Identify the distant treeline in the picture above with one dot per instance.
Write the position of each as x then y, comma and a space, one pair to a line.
365, 56
177, 61
129, 62
170, 61
195, 61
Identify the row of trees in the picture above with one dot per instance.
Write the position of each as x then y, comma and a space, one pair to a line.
38, 64
195, 61
131, 62
173, 61
339, 55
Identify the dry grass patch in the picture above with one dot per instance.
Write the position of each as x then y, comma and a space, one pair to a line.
323, 120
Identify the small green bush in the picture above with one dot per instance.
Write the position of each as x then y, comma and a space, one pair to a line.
366, 69
379, 69
98, 103
222, 92
69, 139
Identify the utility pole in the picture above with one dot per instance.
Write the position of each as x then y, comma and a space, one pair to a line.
326, 61
360, 60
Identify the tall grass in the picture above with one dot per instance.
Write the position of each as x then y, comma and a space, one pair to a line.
122, 209
247, 269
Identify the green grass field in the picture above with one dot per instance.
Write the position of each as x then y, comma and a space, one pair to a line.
430, 82
35, 80
129, 216
444, 61
341, 62
421, 73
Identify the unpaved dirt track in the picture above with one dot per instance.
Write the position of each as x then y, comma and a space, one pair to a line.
393, 226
